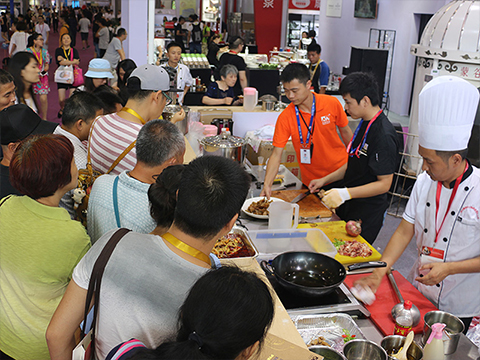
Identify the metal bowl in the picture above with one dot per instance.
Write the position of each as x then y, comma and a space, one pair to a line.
363, 350
454, 327
327, 352
170, 110
393, 343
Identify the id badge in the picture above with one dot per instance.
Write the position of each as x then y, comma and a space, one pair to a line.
305, 156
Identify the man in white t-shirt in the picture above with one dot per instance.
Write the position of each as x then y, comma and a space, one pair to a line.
84, 26
115, 52
78, 114
184, 77
43, 28
19, 39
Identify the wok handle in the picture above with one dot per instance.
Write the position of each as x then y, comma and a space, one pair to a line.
395, 286
267, 267
366, 265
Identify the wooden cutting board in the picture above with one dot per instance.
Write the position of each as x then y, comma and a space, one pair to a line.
310, 206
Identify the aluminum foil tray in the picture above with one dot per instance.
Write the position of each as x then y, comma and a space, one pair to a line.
330, 326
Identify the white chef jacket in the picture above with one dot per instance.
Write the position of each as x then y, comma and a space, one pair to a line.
459, 237
184, 78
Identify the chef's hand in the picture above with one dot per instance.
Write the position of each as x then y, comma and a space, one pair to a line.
266, 191
178, 116
372, 281
316, 185
335, 197
228, 100
438, 272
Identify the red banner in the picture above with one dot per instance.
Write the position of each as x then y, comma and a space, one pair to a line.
268, 24
304, 4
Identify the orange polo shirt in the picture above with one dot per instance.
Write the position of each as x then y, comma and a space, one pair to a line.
329, 152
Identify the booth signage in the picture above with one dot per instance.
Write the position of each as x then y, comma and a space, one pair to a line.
304, 4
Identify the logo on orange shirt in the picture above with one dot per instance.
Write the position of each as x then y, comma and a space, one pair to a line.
325, 119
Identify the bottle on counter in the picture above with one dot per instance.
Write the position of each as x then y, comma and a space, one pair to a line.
404, 320
433, 349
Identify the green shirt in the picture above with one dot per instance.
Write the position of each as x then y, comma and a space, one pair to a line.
39, 247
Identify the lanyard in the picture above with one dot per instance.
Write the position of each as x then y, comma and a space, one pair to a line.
69, 52
39, 57
356, 151
452, 196
313, 73
134, 113
312, 115
180, 245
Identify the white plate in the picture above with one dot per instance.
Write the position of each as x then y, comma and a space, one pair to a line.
247, 203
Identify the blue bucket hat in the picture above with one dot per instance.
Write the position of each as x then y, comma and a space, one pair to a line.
99, 69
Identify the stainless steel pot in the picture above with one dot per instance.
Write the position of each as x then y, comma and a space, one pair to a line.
268, 105
170, 110
228, 146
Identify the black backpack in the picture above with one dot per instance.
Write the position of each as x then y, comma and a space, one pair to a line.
196, 34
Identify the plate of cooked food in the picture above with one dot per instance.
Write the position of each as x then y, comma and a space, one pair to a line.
257, 207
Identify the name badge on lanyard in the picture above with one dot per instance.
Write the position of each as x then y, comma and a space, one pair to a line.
306, 149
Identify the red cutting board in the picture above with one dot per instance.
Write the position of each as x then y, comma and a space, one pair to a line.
387, 299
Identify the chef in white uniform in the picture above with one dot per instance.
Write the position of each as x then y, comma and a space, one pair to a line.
443, 211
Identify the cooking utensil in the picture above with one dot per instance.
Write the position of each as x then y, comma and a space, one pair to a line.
231, 147
326, 352
310, 274
452, 332
170, 110
402, 354
363, 350
394, 342
281, 215
397, 308
310, 206
300, 197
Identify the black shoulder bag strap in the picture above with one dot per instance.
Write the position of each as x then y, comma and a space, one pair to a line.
96, 281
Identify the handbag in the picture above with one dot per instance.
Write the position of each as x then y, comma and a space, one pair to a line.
86, 348
64, 74
77, 74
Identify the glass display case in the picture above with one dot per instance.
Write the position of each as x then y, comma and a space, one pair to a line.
298, 23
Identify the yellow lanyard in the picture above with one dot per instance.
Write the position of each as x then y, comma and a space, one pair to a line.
67, 57
134, 113
39, 58
313, 73
180, 245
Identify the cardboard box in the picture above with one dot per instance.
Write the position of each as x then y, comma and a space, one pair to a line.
276, 348
289, 156
208, 114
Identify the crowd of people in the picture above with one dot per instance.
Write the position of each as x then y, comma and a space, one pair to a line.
170, 207
163, 292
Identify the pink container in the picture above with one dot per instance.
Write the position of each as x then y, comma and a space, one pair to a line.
210, 130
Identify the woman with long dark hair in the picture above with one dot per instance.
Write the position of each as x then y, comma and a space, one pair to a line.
124, 69
24, 68
226, 316
41, 88
65, 55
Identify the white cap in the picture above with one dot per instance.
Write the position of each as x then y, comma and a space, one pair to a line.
447, 109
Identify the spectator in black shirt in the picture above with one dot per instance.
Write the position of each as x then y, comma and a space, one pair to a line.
180, 33
231, 57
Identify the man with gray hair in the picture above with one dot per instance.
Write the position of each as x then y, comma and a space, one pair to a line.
122, 200
236, 46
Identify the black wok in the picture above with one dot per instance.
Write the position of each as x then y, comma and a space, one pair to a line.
310, 274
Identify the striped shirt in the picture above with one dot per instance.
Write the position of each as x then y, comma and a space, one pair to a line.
111, 135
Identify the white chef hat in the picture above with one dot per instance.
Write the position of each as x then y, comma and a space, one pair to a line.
447, 109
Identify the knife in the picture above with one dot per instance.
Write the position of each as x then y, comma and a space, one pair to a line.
300, 197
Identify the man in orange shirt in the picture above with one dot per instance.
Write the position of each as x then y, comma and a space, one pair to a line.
311, 120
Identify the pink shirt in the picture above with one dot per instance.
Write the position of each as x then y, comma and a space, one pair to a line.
111, 135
